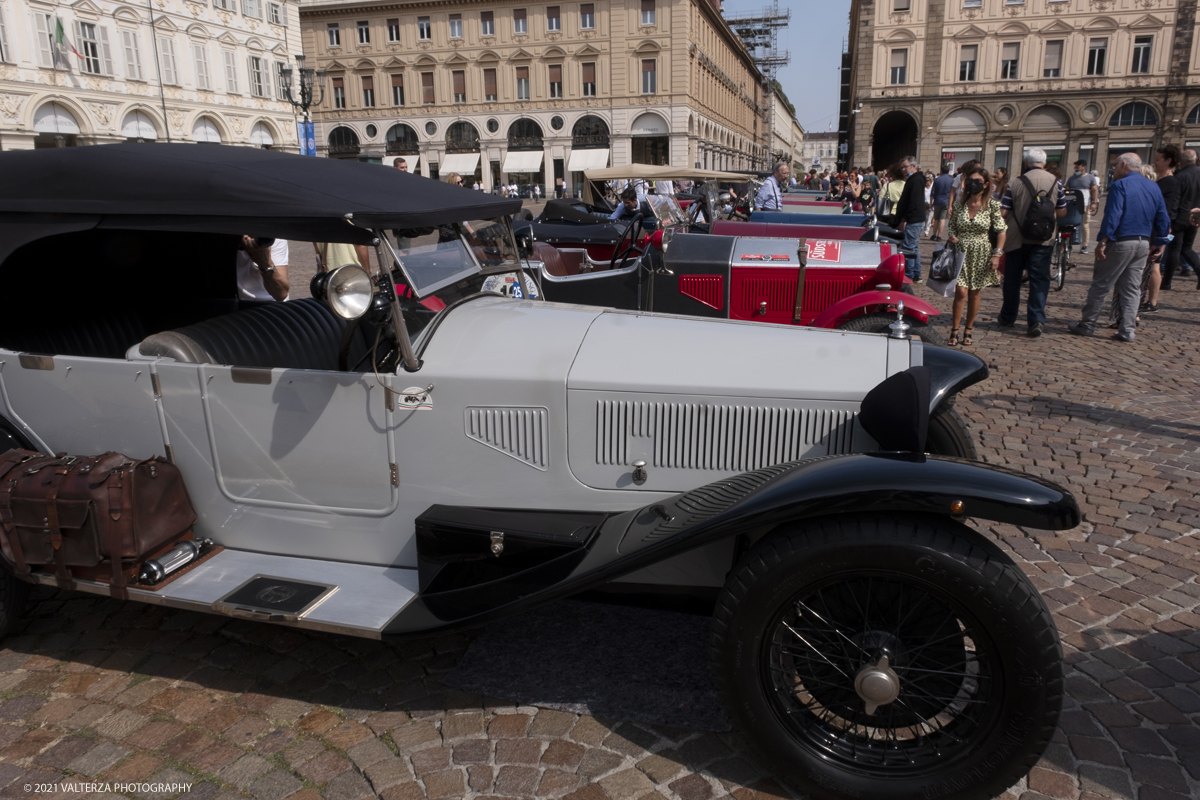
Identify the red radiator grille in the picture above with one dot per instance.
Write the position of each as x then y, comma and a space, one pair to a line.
779, 294
821, 293
708, 289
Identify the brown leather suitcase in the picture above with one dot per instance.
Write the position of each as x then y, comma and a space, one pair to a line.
79, 511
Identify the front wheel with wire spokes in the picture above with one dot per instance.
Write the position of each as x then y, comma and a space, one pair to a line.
1060, 262
888, 656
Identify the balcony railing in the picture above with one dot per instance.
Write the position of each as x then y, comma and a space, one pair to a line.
402, 148
344, 149
526, 143
590, 141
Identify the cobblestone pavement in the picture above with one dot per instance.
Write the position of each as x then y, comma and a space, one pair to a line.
91, 689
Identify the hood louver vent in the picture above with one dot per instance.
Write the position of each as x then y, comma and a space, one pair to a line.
702, 436
519, 433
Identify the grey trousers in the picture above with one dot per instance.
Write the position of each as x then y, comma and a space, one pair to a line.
1121, 269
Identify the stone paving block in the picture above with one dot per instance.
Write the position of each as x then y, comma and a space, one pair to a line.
348, 786
458, 726
518, 751
324, 767
564, 754
415, 734
446, 784
404, 791
508, 726
692, 787
367, 752
275, 785
63, 752
98, 759
286, 710
661, 767
548, 722
245, 771
596, 762
472, 751
388, 772
626, 784
480, 777
120, 724
516, 781
431, 759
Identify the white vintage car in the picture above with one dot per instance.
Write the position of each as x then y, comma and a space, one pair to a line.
408, 454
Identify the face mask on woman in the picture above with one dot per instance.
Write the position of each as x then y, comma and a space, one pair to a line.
974, 186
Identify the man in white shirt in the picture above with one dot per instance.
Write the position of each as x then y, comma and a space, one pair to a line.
770, 196
664, 187
262, 269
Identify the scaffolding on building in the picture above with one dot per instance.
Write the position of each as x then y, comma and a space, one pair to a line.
759, 31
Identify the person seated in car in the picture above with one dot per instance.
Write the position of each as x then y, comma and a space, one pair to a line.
630, 207
262, 269
770, 196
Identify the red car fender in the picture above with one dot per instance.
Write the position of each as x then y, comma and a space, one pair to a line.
913, 307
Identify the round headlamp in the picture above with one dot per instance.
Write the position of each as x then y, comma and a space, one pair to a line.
349, 291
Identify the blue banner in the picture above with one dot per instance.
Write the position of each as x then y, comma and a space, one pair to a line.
308, 138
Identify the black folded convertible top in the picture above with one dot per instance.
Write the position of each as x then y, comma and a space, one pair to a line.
221, 189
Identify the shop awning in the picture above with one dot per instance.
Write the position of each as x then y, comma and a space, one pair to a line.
523, 161
462, 163
587, 159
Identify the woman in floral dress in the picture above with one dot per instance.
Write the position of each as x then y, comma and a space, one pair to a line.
973, 220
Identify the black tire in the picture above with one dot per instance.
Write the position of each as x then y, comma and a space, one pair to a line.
809, 609
1058, 266
14, 594
907, 289
524, 213
949, 434
879, 322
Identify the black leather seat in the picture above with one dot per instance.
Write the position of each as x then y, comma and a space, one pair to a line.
99, 335
300, 334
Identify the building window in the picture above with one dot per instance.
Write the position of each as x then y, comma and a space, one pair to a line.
553, 20
1010, 57
166, 54
281, 85
647, 12
397, 90
200, 59
275, 14
133, 58
252, 8
456, 26
899, 68
1052, 68
339, 92
427, 88
589, 79
1133, 115
368, 87
364, 32
587, 16
393, 26
902, 5
1193, 117
1141, 54
520, 24
522, 83
487, 23
1097, 55
334, 33
229, 59
556, 82
424, 29
967, 58
649, 76
972, 3
489, 85
228, 5
459, 78
89, 41
258, 77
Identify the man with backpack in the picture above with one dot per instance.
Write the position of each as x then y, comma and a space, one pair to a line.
1034, 201
1135, 226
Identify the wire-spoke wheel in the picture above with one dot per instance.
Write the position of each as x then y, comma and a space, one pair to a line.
1059, 264
898, 657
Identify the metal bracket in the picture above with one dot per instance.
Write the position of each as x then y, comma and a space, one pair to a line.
389, 398
394, 471
497, 546
156, 384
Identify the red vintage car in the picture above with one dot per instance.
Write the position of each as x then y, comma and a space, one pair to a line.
739, 270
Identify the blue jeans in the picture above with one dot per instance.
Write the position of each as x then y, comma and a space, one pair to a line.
911, 247
1036, 259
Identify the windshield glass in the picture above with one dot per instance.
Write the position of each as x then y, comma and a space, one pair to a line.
430, 267
666, 209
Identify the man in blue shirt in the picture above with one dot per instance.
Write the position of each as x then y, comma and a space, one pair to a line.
939, 198
770, 196
628, 206
1135, 225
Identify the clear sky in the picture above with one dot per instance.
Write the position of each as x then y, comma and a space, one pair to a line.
815, 39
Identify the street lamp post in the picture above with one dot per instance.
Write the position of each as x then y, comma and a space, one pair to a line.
311, 91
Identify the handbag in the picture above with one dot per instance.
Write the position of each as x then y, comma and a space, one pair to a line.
944, 271
71, 511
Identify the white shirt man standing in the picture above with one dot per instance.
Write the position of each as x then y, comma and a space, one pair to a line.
262, 269
770, 196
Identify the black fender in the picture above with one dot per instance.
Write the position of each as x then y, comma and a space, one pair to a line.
950, 371
550, 554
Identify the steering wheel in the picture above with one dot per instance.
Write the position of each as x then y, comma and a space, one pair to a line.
622, 251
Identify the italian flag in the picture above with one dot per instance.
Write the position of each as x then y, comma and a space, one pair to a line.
60, 38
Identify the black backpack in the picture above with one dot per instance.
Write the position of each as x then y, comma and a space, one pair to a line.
1039, 221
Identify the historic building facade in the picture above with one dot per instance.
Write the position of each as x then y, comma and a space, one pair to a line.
98, 71
960, 79
819, 151
529, 93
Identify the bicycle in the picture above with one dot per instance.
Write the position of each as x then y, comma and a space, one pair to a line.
1060, 259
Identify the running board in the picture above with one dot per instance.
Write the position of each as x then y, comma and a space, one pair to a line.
331, 596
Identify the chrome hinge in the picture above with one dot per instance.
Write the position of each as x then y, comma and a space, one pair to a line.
389, 398
497, 546
170, 454
155, 383
395, 472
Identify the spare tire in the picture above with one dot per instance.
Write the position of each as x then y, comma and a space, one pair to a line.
524, 213
879, 322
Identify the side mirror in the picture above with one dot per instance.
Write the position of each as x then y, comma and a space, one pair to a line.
524, 243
